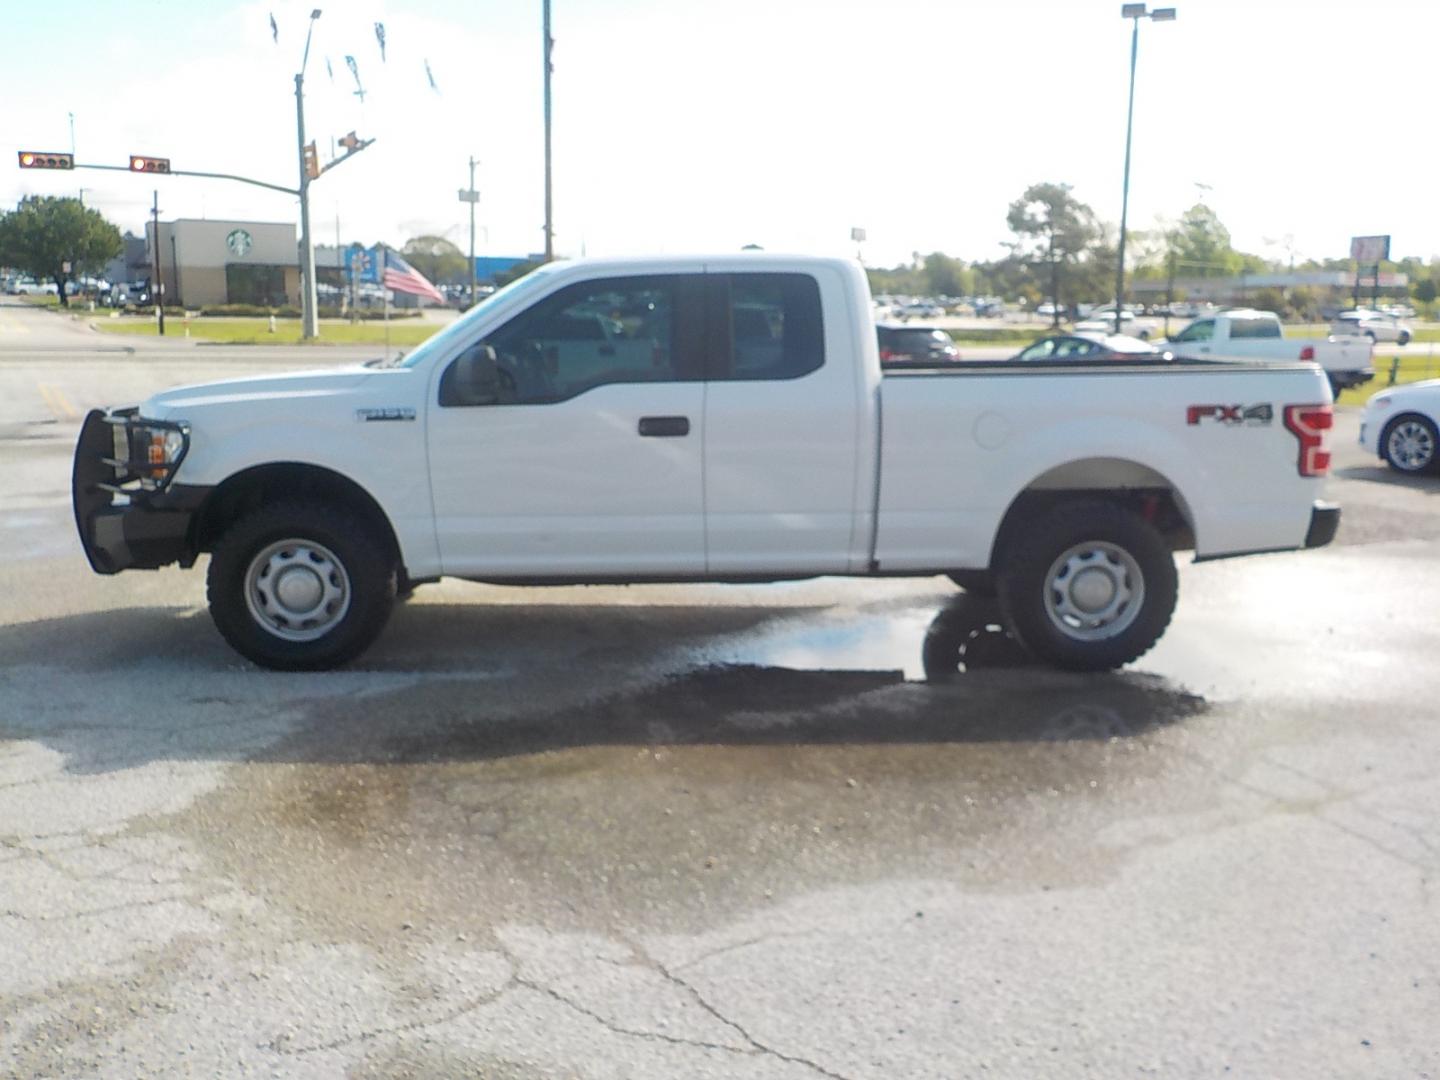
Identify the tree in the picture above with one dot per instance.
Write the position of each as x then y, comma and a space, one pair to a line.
44, 235
945, 276
1051, 227
1202, 245
437, 258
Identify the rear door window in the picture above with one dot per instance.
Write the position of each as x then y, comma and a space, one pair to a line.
1254, 328
765, 326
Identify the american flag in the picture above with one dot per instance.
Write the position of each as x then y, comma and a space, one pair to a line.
402, 277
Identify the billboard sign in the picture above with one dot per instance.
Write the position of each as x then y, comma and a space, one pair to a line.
1369, 249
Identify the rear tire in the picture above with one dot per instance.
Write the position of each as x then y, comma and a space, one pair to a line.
1089, 586
1408, 444
300, 587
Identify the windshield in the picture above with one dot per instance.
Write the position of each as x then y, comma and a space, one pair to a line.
460, 328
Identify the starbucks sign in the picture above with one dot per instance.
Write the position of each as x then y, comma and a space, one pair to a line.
240, 242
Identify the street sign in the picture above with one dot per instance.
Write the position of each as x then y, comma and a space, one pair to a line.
469, 195
1369, 249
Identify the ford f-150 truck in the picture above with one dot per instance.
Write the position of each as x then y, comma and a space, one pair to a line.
1247, 334
730, 423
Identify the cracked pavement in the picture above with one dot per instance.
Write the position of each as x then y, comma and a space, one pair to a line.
715, 831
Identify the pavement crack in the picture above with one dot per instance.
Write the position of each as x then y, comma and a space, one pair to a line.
756, 1046
470, 1005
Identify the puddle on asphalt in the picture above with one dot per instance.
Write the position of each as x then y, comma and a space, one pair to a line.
767, 771
917, 641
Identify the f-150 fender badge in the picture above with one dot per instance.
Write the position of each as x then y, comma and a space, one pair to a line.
371, 415
1232, 415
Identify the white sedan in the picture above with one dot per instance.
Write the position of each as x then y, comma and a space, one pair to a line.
1400, 426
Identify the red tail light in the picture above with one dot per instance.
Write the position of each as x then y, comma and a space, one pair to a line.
887, 354
1308, 423
1307, 353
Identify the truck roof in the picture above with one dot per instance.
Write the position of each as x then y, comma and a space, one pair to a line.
1247, 313
758, 259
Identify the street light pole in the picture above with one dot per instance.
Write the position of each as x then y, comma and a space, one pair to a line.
1133, 12
309, 321
472, 230
549, 218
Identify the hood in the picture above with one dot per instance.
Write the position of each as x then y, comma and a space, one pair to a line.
288, 386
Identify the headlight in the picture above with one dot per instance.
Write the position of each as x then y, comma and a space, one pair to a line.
152, 449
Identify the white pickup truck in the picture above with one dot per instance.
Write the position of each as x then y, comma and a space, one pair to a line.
732, 425
1247, 334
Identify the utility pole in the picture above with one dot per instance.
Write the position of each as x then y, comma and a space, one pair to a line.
309, 324
549, 208
157, 286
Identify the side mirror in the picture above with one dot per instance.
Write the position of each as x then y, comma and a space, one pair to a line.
477, 376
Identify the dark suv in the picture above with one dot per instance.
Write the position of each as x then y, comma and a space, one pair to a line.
915, 344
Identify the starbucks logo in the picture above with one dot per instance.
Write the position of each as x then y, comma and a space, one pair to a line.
239, 242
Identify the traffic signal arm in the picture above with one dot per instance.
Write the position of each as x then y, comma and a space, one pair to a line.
352, 147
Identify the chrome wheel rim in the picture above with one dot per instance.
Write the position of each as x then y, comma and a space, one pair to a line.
297, 590
1411, 445
1094, 591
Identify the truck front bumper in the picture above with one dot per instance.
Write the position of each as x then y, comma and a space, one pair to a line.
123, 526
1324, 521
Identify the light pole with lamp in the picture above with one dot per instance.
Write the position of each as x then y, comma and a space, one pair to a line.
309, 322
1133, 12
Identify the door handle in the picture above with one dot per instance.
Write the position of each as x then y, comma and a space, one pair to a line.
665, 427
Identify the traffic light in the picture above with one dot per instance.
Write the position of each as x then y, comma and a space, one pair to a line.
39, 159
149, 164
312, 161
350, 142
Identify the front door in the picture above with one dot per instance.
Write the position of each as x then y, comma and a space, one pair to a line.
578, 453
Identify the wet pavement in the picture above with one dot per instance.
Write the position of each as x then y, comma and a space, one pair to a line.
827, 828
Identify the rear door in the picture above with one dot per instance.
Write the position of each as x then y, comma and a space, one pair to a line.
781, 427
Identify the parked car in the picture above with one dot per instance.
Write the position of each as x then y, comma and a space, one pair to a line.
1246, 334
915, 344
920, 309
1065, 491
1401, 426
1089, 345
1375, 325
1102, 320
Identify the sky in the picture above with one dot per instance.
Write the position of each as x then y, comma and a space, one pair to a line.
701, 125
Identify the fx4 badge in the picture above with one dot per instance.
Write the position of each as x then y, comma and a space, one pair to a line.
1233, 415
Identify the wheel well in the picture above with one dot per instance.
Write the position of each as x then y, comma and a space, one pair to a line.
253, 488
1135, 487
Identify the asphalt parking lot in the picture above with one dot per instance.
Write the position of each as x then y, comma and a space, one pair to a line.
711, 831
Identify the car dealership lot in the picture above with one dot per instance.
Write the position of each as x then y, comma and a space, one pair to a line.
708, 831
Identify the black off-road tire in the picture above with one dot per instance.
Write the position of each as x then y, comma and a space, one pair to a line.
1065, 559
326, 551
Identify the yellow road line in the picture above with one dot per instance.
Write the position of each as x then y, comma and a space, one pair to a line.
57, 402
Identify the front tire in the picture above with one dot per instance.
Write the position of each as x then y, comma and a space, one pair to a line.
300, 587
1090, 586
1408, 444
1403, 339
